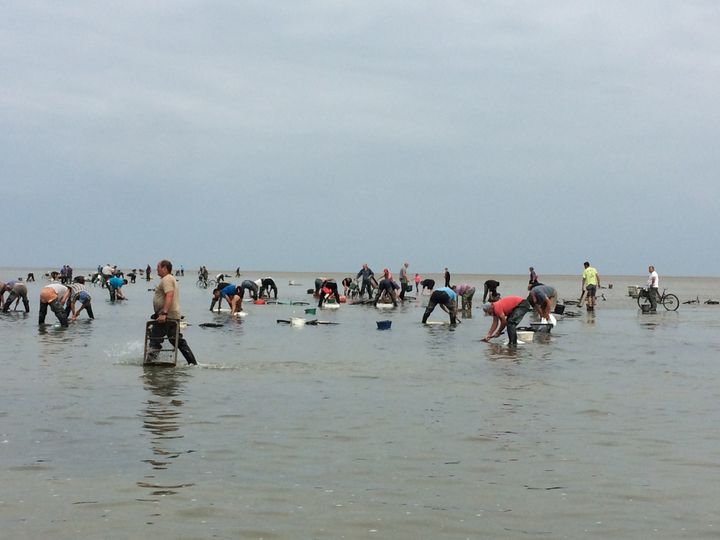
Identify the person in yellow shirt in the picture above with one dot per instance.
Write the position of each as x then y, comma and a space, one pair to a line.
590, 284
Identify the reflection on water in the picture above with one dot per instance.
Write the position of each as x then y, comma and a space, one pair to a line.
440, 338
53, 339
161, 420
499, 351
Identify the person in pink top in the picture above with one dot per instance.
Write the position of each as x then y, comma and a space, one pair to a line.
506, 313
466, 292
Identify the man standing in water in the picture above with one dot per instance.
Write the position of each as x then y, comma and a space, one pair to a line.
366, 276
403, 280
590, 283
166, 305
533, 278
653, 283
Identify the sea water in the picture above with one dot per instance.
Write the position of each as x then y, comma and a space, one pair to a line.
606, 428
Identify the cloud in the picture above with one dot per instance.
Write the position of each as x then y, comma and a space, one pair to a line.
453, 121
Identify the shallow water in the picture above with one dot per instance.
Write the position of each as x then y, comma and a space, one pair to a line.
605, 429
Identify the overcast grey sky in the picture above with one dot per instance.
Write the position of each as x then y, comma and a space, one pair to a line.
318, 135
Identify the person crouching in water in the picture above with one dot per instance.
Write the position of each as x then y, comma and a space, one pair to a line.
114, 285
387, 286
348, 286
447, 299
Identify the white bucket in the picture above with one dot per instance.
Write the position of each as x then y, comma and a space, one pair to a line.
525, 335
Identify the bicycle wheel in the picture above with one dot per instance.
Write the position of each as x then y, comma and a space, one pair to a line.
643, 300
211, 283
671, 302
201, 284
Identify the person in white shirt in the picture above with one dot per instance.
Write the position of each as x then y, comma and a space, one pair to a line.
652, 287
55, 296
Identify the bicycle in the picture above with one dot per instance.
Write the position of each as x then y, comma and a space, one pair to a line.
205, 283
669, 301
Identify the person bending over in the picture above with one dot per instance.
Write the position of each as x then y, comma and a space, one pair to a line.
386, 286
543, 299
506, 313
446, 298
249, 286
55, 296
428, 284
267, 284
17, 291
466, 292
328, 288
490, 293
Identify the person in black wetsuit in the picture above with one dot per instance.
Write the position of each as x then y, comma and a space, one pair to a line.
267, 285
491, 290
328, 288
427, 284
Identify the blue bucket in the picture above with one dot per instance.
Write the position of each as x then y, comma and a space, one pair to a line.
384, 325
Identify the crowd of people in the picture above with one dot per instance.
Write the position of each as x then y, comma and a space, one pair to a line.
67, 297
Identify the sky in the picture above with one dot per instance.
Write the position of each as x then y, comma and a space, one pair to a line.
482, 136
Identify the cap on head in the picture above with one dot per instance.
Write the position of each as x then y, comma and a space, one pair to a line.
487, 307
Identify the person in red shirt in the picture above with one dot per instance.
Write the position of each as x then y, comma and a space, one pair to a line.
506, 313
